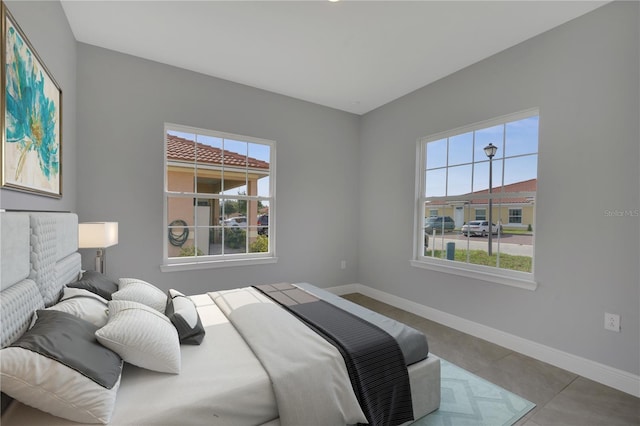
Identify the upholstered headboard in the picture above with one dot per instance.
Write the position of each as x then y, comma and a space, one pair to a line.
38, 256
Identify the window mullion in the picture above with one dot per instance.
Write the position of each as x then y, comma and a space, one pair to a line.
516, 135
212, 169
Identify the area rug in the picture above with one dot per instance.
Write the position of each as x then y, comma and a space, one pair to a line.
468, 400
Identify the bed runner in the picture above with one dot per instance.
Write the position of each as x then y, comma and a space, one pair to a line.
373, 358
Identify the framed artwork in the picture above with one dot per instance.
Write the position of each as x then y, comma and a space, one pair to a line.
31, 155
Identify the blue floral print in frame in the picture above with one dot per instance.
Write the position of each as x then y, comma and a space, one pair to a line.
31, 117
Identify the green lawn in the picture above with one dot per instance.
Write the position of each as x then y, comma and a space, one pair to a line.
517, 231
480, 257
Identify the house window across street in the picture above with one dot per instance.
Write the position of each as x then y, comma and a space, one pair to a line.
515, 216
482, 181
219, 207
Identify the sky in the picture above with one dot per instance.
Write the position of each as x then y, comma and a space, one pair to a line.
516, 159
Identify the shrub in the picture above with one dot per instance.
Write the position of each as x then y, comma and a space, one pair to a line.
260, 245
235, 237
189, 251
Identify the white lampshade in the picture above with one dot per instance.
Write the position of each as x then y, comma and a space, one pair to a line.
97, 234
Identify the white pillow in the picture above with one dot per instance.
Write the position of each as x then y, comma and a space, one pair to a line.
83, 304
136, 290
141, 336
58, 367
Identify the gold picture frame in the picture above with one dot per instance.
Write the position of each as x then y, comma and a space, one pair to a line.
31, 120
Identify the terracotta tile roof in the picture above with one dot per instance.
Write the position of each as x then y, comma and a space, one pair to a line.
523, 186
180, 149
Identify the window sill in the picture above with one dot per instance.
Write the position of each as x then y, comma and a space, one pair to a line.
213, 264
510, 278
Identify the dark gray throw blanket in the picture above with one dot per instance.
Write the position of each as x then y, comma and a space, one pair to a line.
375, 363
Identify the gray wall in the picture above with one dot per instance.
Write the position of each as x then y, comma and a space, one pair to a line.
584, 78
346, 184
46, 27
123, 102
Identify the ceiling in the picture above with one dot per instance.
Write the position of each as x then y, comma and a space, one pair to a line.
351, 55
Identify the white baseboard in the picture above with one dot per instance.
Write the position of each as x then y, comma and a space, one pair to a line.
601, 373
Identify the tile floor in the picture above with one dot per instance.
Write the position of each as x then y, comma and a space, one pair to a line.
561, 397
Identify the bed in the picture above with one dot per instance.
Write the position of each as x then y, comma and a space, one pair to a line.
247, 356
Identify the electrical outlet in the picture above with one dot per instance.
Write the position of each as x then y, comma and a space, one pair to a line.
612, 322
343, 264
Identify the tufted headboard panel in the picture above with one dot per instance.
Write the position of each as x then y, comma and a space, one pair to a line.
14, 234
20, 296
38, 256
54, 258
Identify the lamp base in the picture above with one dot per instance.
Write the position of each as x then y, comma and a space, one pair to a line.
100, 261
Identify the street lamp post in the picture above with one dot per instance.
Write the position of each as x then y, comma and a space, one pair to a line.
490, 150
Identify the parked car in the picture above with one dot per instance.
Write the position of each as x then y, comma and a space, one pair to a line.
263, 224
439, 224
239, 221
478, 227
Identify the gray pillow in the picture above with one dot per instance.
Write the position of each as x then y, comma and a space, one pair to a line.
184, 316
96, 283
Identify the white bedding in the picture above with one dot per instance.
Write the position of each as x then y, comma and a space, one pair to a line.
309, 376
223, 383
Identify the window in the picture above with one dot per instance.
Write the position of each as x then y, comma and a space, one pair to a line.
515, 216
454, 175
433, 212
219, 199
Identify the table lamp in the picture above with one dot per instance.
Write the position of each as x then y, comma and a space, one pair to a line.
98, 235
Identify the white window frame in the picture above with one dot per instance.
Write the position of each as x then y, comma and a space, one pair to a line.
513, 209
170, 264
483, 216
524, 280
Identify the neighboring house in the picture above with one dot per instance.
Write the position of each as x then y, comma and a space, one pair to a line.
181, 162
515, 212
